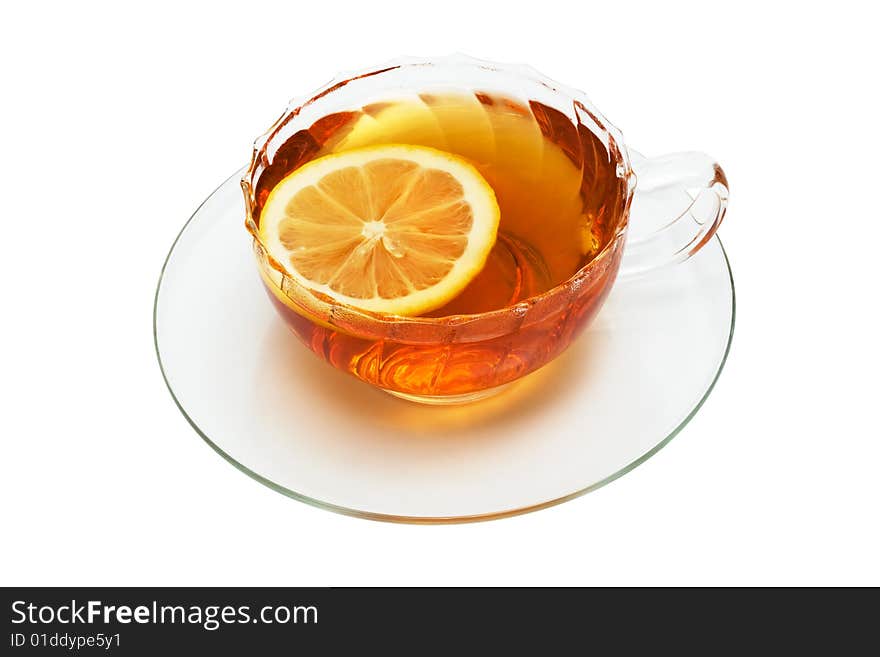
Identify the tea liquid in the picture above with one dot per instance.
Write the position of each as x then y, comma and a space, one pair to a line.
548, 178
561, 199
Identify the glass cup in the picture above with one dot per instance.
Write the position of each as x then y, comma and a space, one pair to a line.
464, 357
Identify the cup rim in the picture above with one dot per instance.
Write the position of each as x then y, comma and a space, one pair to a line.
351, 319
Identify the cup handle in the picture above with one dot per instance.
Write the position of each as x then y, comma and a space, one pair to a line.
679, 202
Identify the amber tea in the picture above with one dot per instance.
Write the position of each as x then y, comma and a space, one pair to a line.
560, 199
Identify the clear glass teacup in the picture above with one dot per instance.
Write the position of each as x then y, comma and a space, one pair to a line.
571, 196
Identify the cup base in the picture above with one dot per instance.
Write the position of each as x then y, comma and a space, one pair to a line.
449, 400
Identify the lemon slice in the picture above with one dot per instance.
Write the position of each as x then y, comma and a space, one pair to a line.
393, 229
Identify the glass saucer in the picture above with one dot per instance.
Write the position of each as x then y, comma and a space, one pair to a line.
270, 407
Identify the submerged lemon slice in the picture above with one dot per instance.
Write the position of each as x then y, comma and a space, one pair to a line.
391, 229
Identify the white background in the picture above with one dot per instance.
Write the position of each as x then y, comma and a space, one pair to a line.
117, 122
